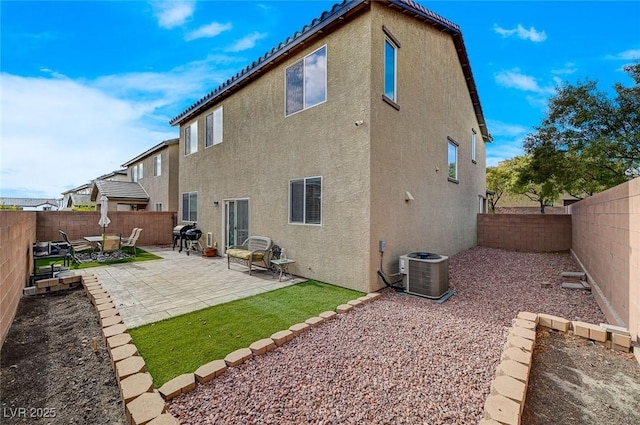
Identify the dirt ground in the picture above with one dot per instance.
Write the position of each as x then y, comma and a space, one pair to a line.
574, 381
49, 373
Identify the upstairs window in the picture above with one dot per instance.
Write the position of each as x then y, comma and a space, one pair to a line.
190, 206
191, 138
140, 170
453, 160
134, 173
305, 201
473, 146
306, 82
390, 74
213, 128
157, 165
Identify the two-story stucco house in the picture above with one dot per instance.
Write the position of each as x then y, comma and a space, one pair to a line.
364, 126
156, 170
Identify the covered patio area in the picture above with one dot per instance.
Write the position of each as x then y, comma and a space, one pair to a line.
149, 291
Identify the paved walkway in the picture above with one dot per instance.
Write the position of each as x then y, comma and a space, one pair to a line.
148, 291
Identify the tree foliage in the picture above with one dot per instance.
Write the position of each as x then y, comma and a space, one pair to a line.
588, 142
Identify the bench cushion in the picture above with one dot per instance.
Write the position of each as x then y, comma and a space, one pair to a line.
244, 254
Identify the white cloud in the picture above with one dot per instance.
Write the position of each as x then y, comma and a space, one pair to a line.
507, 141
247, 42
627, 55
521, 32
568, 69
59, 133
515, 79
174, 13
208, 31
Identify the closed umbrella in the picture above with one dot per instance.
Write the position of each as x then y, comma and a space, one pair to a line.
104, 208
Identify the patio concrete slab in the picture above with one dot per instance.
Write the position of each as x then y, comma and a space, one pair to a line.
149, 291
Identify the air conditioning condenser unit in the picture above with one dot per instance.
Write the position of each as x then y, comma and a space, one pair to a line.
426, 274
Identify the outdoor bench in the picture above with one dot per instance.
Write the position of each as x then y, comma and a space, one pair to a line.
254, 251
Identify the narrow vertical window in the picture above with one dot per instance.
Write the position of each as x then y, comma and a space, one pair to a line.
191, 138
134, 173
213, 128
453, 160
140, 170
390, 72
158, 207
157, 165
473, 145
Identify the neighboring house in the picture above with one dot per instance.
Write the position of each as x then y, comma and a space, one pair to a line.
122, 196
30, 204
157, 172
364, 126
114, 176
77, 197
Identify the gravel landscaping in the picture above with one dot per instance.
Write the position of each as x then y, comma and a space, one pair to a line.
401, 359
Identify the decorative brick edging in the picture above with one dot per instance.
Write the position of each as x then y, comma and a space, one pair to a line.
145, 405
506, 400
142, 404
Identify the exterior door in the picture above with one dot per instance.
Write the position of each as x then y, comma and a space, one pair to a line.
236, 221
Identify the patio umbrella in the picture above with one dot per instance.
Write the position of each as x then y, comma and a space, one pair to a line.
104, 208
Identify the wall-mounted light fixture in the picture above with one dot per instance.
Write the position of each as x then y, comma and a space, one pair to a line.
408, 196
359, 123
216, 203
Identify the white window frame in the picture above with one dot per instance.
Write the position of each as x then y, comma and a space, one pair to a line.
215, 131
390, 40
304, 201
186, 215
473, 146
192, 146
157, 165
158, 206
452, 143
304, 82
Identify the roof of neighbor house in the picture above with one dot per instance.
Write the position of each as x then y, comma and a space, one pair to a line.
76, 189
327, 21
28, 202
122, 172
119, 191
151, 151
79, 199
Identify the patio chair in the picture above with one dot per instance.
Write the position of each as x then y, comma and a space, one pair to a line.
127, 240
76, 246
133, 239
110, 243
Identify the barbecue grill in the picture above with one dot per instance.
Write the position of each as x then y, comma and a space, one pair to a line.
179, 234
192, 240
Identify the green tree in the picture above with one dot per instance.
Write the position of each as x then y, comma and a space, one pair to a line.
534, 180
588, 142
498, 181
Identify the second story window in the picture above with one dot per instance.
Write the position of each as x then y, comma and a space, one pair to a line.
390, 75
134, 173
157, 165
191, 138
306, 82
453, 161
140, 170
473, 146
213, 128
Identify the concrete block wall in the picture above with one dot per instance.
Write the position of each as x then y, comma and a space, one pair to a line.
17, 233
525, 232
606, 243
157, 226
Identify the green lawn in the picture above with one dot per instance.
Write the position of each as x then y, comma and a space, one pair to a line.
142, 255
184, 343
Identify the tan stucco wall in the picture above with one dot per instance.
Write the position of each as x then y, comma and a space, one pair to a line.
365, 169
161, 189
262, 150
606, 241
409, 146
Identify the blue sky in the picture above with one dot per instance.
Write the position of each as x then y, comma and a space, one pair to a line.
86, 86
